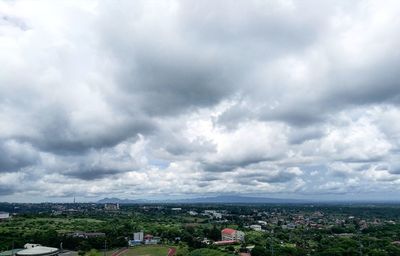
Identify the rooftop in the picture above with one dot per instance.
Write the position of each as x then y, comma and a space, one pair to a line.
228, 231
38, 250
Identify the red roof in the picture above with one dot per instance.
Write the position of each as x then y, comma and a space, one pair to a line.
228, 231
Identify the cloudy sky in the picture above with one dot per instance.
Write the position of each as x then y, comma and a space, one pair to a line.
172, 99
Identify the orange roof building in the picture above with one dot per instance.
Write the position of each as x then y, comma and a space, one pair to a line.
228, 234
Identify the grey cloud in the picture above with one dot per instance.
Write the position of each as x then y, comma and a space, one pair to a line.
298, 135
170, 140
116, 96
88, 174
15, 155
271, 27
230, 165
7, 190
267, 176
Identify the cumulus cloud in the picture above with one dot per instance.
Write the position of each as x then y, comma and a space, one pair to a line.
191, 98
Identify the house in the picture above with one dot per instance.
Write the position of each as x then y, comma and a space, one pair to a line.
149, 239
228, 234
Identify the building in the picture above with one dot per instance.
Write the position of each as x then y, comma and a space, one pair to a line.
256, 227
111, 207
38, 250
149, 239
213, 213
138, 236
138, 239
86, 235
264, 223
4, 215
228, 234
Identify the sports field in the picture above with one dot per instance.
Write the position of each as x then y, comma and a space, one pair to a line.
150, 250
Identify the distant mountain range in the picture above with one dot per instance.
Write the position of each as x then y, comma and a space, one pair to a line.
205, 200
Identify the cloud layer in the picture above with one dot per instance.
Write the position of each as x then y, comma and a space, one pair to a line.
188, 98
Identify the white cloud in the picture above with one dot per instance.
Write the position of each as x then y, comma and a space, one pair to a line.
193, 98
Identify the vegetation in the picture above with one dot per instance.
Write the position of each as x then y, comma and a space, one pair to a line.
320, 230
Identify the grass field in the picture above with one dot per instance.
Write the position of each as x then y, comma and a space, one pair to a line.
150, 250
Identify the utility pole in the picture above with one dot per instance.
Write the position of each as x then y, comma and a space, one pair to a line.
105, 246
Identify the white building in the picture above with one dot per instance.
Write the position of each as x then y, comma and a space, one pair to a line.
193, 213
256, 227
4, 215
261, 222
111, 207
138, 236
38, 250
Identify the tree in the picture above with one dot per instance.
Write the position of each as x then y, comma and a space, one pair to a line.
258, 251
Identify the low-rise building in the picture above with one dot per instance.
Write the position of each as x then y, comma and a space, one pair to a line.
256, 227
138, 236
86, 235
4, 215
149, 239
111, 207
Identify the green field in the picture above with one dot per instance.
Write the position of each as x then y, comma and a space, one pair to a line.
151, 250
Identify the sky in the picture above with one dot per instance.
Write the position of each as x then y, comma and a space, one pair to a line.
176, 99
